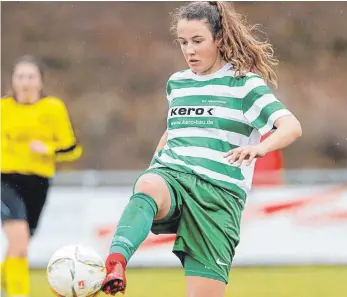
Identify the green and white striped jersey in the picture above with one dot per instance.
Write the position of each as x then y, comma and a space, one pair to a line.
211, 114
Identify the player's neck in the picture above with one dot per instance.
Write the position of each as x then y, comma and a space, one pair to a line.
216, 66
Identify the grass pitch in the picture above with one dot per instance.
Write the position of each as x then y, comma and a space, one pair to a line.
299, 281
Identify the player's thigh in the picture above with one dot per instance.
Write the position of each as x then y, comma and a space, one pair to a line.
12, 204
155, 186
14, 219
201, 280
204, 287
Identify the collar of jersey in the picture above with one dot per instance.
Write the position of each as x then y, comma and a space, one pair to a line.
226, 67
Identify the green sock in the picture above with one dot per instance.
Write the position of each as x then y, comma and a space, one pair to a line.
134, 225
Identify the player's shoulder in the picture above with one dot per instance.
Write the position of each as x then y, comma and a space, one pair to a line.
252, 80
7, 99
249, 77
177, 76
183, 74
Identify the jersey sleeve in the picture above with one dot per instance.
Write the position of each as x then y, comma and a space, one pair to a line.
168, 98
260, 106
67, 147
169, 85
168, 91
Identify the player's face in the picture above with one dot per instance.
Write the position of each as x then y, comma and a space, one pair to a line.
26, 80
198, 46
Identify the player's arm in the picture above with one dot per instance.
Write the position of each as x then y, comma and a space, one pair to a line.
160, 146
265, 112
162, 142
66, 147
163, 139
288, 130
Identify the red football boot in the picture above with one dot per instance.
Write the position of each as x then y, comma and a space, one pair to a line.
115, 280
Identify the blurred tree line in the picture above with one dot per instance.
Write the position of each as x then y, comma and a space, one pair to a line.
109, 61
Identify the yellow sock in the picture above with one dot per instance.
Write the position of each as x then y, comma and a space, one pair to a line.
16, 276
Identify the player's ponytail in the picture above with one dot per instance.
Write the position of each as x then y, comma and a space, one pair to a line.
241, 47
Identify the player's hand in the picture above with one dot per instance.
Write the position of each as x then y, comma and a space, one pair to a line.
245, 153
38, 146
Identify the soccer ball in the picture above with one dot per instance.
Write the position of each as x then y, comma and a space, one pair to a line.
75, 271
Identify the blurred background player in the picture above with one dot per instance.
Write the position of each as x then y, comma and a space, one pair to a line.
202, 171
36, 132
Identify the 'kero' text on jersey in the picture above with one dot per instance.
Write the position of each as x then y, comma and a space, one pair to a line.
192, 111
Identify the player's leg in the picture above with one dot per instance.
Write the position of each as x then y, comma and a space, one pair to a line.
15, 265
151, 201
35, 200
201, 280
207, 236
13, 215
204, 287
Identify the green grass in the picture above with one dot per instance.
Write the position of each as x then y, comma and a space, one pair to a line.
315, 281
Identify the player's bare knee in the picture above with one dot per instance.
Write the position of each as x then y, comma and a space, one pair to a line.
154, 186
17, 233
17, 252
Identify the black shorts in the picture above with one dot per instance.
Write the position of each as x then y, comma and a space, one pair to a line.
23, 198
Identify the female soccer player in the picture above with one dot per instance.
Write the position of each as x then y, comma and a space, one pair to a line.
35, 134
199, 178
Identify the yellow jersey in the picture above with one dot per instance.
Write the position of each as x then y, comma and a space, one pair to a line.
46, 120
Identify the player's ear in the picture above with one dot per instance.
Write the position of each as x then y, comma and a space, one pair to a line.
218, 40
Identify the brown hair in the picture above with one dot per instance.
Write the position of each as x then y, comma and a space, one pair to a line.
238, 43
30, 60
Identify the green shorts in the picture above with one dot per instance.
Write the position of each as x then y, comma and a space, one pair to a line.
206, 219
